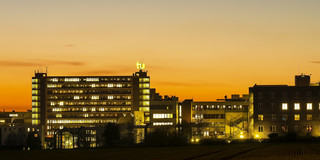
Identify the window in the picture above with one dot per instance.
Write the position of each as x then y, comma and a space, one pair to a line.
273, 128
260, 128
284, 117
260, 106
284, 106
309, 117
309, 106
273, 106
296, 128
76, 97
284, 94
260, 95
309, 128
272, 95
297, 106
284, 128
260, 117
273, 117
297, 117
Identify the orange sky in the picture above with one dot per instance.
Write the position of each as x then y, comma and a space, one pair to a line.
193, 49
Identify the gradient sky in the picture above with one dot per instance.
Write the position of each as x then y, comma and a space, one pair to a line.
201, 49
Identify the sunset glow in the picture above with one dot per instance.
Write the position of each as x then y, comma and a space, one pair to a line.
192, 49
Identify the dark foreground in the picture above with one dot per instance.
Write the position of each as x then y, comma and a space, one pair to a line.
224, 152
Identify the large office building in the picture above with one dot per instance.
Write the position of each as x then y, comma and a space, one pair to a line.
281, 108
89, 101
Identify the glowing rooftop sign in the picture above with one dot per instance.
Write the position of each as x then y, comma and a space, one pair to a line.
141, 66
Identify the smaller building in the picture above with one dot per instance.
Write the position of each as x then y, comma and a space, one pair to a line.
163, 110
223, 118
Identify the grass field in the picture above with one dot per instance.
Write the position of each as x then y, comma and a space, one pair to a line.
294, 151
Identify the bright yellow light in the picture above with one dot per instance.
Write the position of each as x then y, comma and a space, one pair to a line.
140, 66
192, 140
197, 140
241, 136
257, 136
241, 132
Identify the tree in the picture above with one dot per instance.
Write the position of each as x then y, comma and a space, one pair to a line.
111, 134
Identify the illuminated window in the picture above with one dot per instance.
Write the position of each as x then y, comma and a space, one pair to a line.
35, 122
35, 115
309, 106
84, 109
110, 97
110, 85
52, 103
144, 103
86, 115
297, 117
95, 97
144, 79
297, 106
144, 85
55, 80
161, 116
145, 97
260, 128
35, 80
162, 123
92, 79
76, 97
101, 109
35, 98
93, 109
309, 128
260, 117
58, 115
145, 109
72, 79
180, 111
309, 117
93, 85
273, 128
284, 106
35, 86
119, 85
61, 103
13, 115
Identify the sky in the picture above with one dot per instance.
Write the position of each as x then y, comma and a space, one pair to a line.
202, 49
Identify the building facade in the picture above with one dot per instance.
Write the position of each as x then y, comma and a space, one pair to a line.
281, 108
224, 118
89, 101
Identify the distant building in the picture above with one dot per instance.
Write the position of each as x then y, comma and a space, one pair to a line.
282, 108
89, 101
163, 110
14, 128
224, 118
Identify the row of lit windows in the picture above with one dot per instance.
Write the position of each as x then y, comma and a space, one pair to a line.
83, 115
84, 109
144, 85
216, 107
62, 103
109, 85
297, 106
144, 79
77, 121
163, 115
90, 91
284, 128
285, 117
95, 97
89, 79
162, 123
